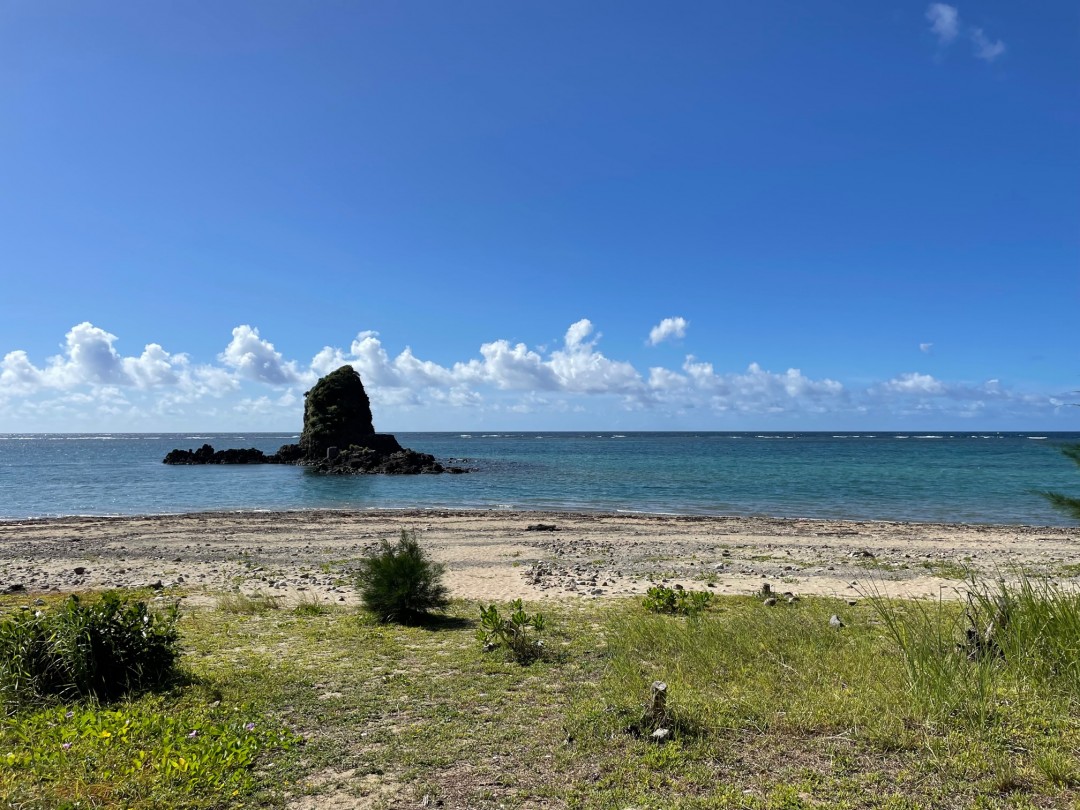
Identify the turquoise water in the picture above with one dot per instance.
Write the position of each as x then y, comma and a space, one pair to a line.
953, 477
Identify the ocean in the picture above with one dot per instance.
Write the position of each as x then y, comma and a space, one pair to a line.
927, 477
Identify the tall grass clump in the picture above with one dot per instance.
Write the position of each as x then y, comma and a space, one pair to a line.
399, 583
104, 649
1005, 642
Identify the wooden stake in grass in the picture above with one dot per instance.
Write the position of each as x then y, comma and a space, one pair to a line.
656, 712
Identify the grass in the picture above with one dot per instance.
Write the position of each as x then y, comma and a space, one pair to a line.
249, 604
771, 707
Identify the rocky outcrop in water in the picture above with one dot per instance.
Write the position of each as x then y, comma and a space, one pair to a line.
208, 455
338, 437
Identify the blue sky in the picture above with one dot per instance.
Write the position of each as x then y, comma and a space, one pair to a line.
840, 215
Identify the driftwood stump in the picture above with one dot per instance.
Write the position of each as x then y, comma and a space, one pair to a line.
656, 711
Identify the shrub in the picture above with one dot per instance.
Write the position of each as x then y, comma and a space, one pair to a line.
1065, 503
399, 583
659, 599
103, 649
518, 633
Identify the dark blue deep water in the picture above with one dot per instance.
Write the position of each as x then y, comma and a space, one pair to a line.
953, 477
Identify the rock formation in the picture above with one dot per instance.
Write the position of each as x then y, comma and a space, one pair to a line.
338, 437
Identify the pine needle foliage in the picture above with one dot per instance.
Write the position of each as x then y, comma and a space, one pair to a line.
1065, 503
399, 583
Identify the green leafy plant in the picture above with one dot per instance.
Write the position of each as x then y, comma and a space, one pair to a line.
400, 583
518, 633
1062, 502
659, 599
104, 649
125, 756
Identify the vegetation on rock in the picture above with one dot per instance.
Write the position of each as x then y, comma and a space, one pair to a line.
337, 413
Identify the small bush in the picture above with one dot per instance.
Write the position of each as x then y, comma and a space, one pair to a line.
659, 599
518, 633
399, 583
102, 649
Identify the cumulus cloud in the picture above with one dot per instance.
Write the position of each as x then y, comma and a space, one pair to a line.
945, 25
668, 329
257, 359
91, 379
944, 21
757, 389
579, 367
914, 383
90, 358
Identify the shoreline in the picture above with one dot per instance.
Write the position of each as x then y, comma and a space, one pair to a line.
463, 511
492, 555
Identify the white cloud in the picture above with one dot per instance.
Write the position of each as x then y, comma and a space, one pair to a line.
984, 48
18, 376
257, 359
92, 384
580, 368
945, 21
668, 329
945, 25
90, 358
513, 368
754, 390
914, 383
925, 347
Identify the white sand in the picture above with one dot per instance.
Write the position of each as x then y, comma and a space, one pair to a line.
491, 555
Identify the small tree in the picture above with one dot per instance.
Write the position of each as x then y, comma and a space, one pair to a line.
399, 583
1066, 504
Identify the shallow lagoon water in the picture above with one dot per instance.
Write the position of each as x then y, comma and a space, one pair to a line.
949, 477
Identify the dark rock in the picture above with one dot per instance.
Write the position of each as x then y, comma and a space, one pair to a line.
337, 413
207, 455
338, 437
542, 527
289, 454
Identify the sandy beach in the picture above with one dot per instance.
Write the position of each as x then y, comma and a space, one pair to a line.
497, 555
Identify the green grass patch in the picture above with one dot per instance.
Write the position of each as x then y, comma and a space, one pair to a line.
771, 708
256, 603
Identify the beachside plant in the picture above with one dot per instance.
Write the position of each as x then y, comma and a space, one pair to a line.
140, 754
103, 648
518, 633
660, 599
1070, 506
399, 583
